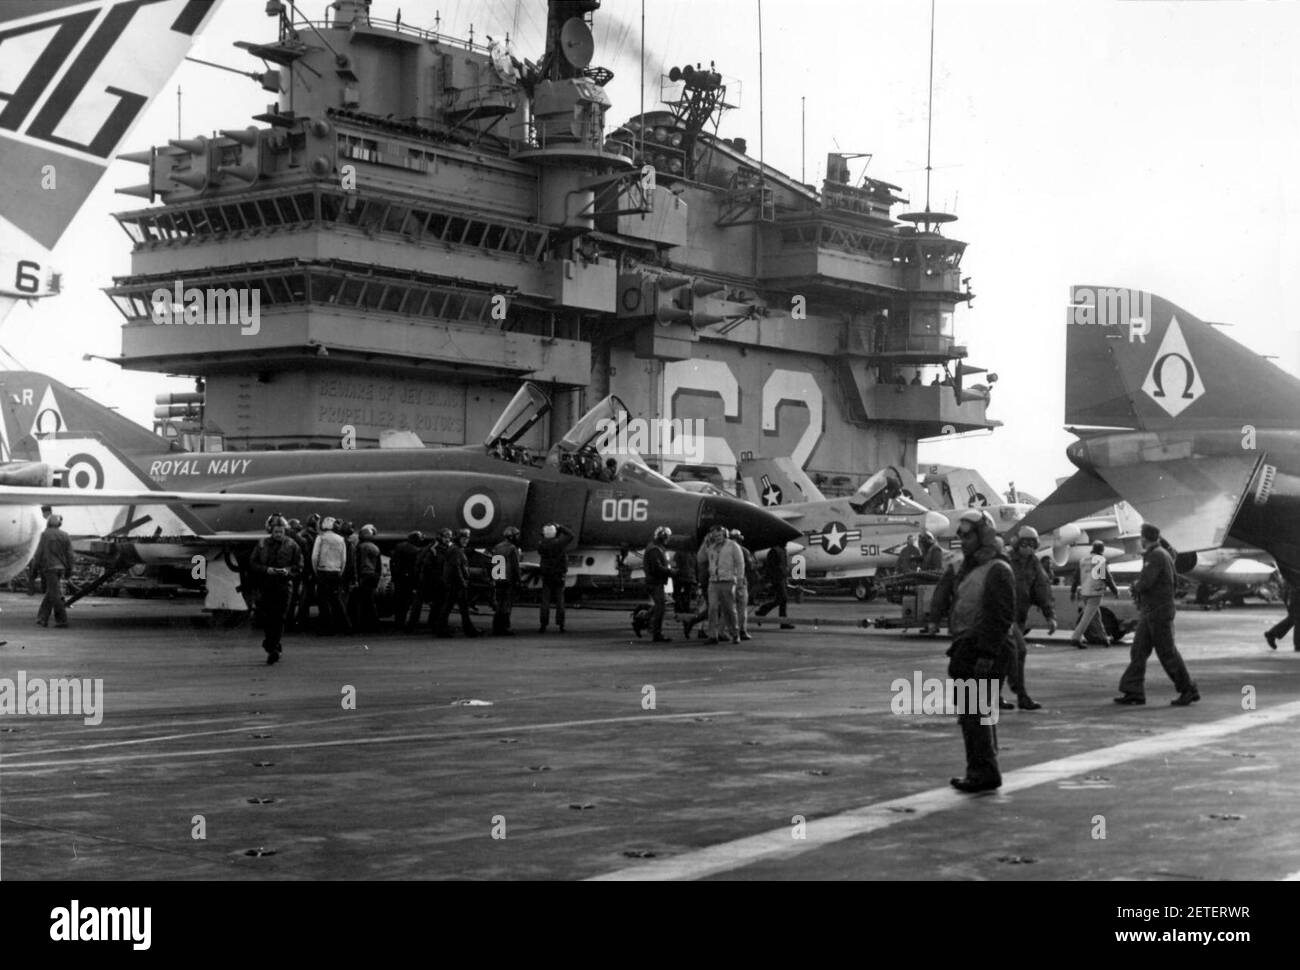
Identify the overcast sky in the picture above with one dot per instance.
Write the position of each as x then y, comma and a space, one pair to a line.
1144, 144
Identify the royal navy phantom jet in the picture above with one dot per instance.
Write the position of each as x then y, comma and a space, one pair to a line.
483, 488
1195, 431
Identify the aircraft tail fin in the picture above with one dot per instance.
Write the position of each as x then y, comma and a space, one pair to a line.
78, 86
33, 404
771, 482
958, 488
1135, 360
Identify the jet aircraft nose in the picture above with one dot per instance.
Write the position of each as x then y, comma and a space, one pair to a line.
935, 523
760, 528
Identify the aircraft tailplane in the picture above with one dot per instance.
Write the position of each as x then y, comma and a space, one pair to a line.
1135, 360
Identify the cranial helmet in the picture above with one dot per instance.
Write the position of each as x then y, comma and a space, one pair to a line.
1027, 534
368, 531
661, 533
511, 532
549, 531
276, 520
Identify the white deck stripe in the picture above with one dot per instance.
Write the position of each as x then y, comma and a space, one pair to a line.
780, 844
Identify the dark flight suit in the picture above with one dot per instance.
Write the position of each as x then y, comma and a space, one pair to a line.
505, 589
685, 581
702, 578
273, 553
1032, 589
932, 561
909, 559
982, 594
368, 569
402, 564
554, 567
437, 584
1154, 592
1284, 625
53, 561
455, 591
775, 570
423, 590
305, 589
657, 573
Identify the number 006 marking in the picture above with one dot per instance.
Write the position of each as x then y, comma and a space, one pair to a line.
624, 510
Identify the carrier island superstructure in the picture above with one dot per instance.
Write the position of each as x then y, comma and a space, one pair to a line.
426, 221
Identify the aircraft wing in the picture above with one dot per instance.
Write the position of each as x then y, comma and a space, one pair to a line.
67, 496
1193, 501
1080, 496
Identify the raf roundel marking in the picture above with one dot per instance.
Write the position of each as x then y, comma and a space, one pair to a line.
478, 510
85, 473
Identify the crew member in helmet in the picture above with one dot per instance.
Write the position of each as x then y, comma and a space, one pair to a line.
429, 588
368, 571
1032, 589
657, 573
1091, 581
329, 557
931, 555
52, 562
979, 596
506, 575
455, 583
275, 563
748, 576
554, 567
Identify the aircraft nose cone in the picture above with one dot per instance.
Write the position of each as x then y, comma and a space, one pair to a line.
935, 523
761, 529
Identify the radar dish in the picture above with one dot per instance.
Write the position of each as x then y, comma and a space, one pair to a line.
576, 43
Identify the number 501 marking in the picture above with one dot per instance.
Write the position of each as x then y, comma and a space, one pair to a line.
624, 510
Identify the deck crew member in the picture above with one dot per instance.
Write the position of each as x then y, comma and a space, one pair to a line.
657, 573
455, 587
275, 562
554, 567
1154, 593
776, 570
1032, 589
52, 562
726, 567
748, 577
329, 557
506, 576
369, 567
402, 565
980, 598
1280, 629
685, 581
705, 614
1092, 580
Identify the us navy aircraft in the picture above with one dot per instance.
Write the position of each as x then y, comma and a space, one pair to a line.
844, 538
1195, 431
178, 505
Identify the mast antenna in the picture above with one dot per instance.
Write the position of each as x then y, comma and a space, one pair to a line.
929, 133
